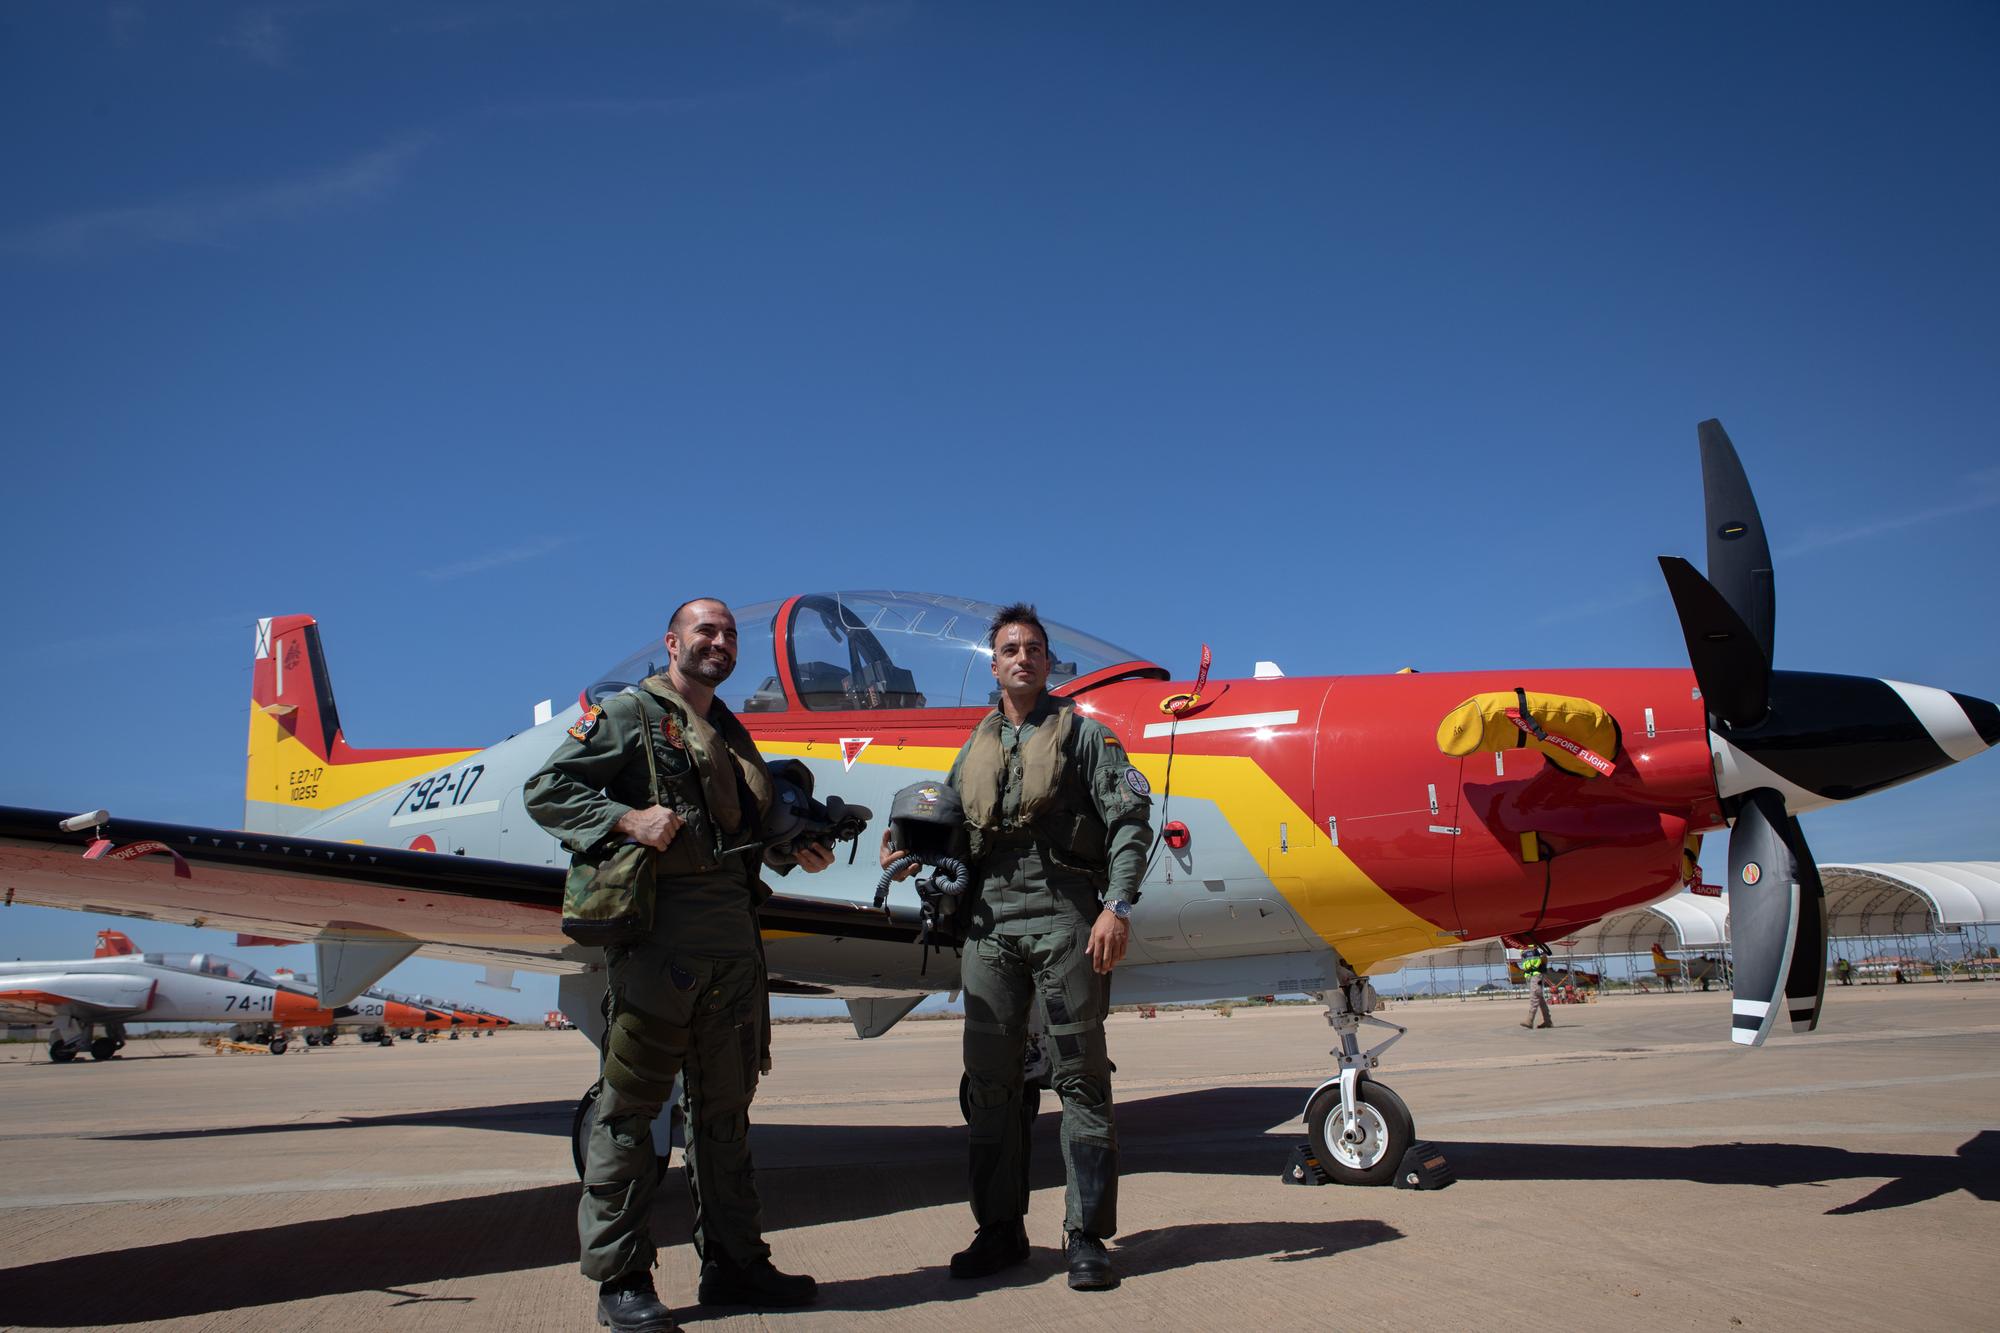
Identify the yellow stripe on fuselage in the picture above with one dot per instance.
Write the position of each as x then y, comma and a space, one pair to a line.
1334, 897
282, 771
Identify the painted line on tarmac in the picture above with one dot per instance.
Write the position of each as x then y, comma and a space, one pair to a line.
1569, 1108
448, 1180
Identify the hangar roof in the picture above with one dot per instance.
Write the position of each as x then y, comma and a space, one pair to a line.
1910, 897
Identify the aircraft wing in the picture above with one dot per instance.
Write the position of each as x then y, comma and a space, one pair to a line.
35, 998
493, 913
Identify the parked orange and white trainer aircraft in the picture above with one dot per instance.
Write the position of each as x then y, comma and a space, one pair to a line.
89, 1001
1312, 830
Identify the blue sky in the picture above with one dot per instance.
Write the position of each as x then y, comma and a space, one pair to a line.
1348, 336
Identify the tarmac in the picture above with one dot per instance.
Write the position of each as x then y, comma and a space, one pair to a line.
1627, 1167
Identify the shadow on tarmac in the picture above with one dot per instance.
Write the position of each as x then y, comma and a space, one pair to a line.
1138, 1254
1911, 1178
520, 1118
812, 1175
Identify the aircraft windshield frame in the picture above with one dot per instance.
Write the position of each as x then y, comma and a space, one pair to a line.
870, 650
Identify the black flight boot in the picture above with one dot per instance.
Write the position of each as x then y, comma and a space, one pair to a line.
1089, 1265
755, 1283
627, 1305
996, 1247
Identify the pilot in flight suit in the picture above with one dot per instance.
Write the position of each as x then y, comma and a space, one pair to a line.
690, 999
1058, 827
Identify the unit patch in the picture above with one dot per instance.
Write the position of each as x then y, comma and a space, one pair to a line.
674, 760
927, 796
1137, 782
586, 724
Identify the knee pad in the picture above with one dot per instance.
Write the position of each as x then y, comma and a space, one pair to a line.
637, 1063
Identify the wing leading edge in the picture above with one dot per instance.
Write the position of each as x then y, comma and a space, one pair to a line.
461, 908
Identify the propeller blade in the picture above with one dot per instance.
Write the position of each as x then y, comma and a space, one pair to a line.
1763, 913
1730, 665
1739, 554
1805, 984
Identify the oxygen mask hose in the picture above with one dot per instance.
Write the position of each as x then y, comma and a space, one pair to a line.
889, 877
949, 877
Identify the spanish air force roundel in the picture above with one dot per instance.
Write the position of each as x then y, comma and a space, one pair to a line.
1137, 782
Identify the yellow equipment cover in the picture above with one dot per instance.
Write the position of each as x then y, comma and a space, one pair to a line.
1481, 724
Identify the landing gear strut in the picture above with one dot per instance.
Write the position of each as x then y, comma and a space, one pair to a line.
1359, 1128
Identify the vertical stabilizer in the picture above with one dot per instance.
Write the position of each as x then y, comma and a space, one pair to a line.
299, 765
114, 944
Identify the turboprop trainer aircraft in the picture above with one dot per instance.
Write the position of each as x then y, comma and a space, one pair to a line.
1701, 968
120, 985
1312, 830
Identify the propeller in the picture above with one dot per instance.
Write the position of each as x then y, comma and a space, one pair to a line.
1777, 908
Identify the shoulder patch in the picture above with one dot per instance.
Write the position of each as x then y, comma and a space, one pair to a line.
586, 724
1137, 782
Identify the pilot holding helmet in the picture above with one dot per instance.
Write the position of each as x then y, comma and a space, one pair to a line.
690, 998
1058, 824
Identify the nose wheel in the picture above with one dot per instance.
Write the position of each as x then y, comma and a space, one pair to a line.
1368, 1152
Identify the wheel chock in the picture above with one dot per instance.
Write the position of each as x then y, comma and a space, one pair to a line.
1424, 1168
1304, 1168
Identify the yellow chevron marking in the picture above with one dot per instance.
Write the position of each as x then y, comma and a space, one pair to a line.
1333, 896
282, 771
882, 754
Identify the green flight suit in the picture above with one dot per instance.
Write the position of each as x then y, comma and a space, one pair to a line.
1040, 890
689, 1000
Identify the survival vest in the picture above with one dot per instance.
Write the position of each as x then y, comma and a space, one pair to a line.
709, 773
1055, 808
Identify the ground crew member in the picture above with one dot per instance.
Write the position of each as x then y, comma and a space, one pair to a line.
1532, 966
690, 999
1059, 838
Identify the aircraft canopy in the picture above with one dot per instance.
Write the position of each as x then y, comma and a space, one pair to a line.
211, 965
868, 651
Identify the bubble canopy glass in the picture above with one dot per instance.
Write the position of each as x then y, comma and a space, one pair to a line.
868, 651
211, 965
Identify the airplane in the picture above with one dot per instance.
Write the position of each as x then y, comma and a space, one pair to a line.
1703, 969
120, 985
1555, 975
375, 1016
1312, 831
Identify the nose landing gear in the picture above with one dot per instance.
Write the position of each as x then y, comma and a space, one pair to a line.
1359, 1128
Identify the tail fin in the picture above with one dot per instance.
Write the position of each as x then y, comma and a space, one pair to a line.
114, 944
299, 765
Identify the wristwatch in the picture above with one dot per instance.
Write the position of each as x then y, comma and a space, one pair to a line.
1119, 908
